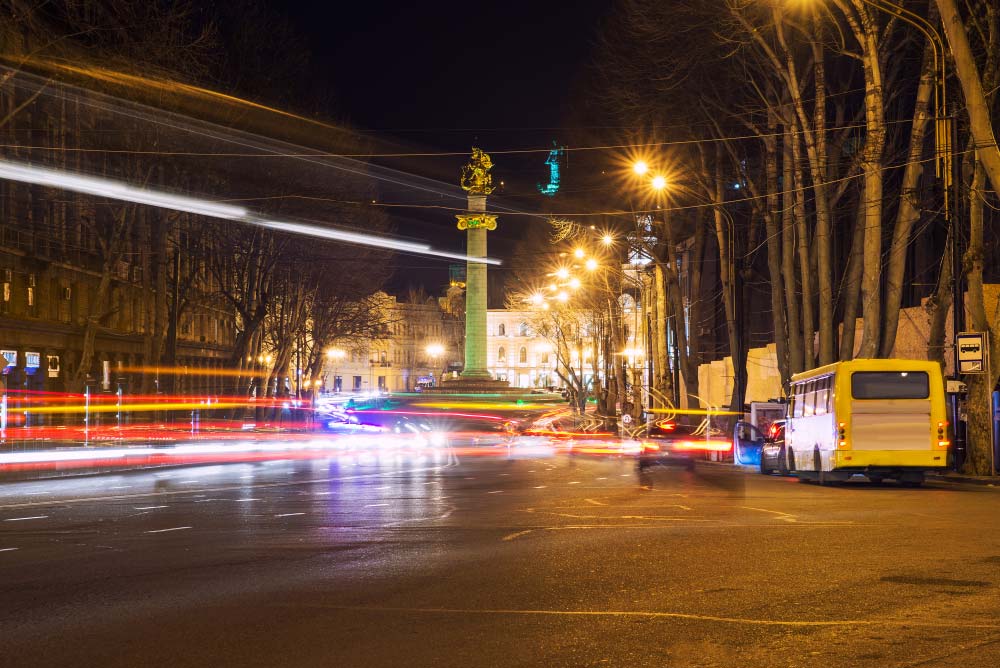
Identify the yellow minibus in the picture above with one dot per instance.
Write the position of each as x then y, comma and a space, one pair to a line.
882, 418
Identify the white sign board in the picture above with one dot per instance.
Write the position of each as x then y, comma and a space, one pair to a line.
971, 352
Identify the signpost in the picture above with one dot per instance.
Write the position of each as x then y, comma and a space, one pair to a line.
972, 355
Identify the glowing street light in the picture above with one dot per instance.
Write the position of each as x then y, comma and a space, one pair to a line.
640, 167
563, 296
579, 253
335, 354
562, 272
608, 239
537, 298
574, 283
659, 183
435, 350
591, 264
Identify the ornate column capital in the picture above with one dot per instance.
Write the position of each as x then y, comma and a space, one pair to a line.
471, 221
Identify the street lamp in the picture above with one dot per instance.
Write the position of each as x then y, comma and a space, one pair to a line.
640, 167
335, 355
658, 183
435, 350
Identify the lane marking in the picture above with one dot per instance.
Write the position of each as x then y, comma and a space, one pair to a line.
149, 507
928, 623
166, 530
121, 487
242, 500
517, 534
787, 517
228, 488
377, 505
289, 514
22, 519
9, 549
540, 486
595, 503
36, 493
498, 491
575, 482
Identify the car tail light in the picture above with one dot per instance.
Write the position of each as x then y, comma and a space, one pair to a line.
714, 446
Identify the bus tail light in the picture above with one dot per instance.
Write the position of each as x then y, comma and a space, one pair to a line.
941, 426
943, 444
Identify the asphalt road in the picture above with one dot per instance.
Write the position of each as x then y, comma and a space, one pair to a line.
494, 561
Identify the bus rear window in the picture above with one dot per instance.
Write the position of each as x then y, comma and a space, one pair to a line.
890, 385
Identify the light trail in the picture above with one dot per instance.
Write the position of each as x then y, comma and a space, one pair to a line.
90, 185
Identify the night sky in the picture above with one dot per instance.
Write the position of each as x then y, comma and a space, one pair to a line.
444, 76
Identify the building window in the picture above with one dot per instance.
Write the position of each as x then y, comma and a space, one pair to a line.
501, 330
522, 355
545, 358
31, 294
502, 355
522, 329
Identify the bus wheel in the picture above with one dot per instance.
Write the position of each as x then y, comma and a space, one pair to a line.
911, 479
783, 468
789, 461
876, 479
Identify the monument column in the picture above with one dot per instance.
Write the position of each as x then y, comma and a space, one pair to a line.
477, 180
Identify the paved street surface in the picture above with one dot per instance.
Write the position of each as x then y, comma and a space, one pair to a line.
494, 561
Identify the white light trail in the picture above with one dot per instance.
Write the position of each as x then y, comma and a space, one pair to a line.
90, 185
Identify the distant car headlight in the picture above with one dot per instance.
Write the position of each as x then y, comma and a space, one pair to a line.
438, 440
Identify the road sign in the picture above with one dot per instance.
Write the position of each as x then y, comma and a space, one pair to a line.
971, 352
627, 419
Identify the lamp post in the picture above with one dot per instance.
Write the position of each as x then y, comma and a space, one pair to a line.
335, 355
435, 351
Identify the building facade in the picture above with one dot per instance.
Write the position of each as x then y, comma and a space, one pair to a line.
422, 343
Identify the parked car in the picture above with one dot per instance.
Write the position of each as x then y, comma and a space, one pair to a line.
773, 458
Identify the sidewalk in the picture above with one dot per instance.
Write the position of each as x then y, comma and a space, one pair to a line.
951, 476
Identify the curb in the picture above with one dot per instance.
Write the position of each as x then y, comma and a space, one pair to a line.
965, 480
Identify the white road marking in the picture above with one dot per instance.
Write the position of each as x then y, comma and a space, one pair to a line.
166, 530
377, 505
289, 514
498, 491
239, 500
149, 507
541, 486
36, 493
595, 503
8, 549
575, 482
749, 621
602, 478
21, 519
121, 487
186, 482
516, 534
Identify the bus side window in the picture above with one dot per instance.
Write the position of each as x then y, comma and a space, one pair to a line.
822, 395
809, 407
797, 400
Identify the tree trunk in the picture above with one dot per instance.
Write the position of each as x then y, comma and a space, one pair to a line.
871, 164
802, 247
774, 252
909, 201
852, 286
791, 291
972, 86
